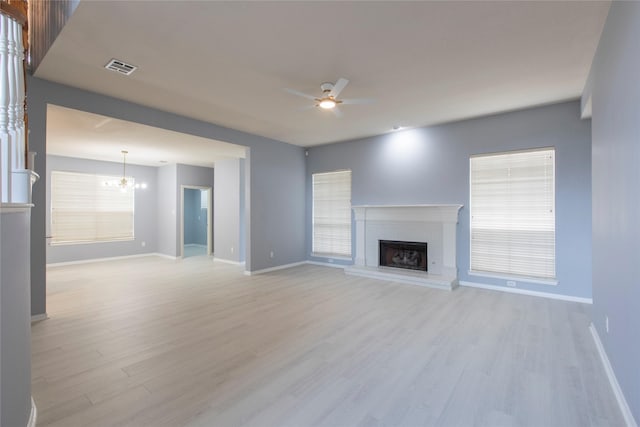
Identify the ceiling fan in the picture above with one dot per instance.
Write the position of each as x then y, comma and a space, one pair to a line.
329, 98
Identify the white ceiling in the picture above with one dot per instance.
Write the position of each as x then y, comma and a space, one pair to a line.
85, 135
424, 62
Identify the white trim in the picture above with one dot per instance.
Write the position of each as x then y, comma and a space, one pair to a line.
15, 207
114, 258
89, 242
33, 415
228, 261
90, 260
513, 277
39, 317
270, 269
526, 292
617, 391
328, 264
330, 256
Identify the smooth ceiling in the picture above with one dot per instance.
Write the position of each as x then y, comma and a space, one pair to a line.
74, 133
424, 62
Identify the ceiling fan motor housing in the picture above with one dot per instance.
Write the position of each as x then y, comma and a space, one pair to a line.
326, 87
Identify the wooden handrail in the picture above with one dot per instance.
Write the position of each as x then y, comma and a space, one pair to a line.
16, 9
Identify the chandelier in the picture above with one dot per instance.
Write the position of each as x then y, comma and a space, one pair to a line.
123, 182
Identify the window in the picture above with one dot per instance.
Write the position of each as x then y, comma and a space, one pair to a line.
90, 208
513, 213
332, 213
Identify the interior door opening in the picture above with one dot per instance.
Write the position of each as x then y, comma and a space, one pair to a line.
196, 231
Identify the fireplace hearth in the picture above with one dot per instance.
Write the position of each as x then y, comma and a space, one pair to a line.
405, 255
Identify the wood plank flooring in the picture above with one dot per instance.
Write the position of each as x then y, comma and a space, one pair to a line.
155, 342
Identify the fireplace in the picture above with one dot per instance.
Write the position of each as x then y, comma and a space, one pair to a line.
435, 224
407, 255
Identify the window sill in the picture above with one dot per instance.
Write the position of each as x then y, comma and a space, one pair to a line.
331, 256
89, 242
515, 278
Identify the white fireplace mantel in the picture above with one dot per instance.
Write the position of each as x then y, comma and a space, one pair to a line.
434, 224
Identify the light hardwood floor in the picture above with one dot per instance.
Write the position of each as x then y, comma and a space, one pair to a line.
155, 342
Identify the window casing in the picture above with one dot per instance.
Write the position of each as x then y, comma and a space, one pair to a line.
332, 213
512, 203
89, 208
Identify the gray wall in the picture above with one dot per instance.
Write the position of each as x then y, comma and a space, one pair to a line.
431, 165
195, 218
276, 171
145, 213
227, 210
616, 199
15, 320
243, 220
166, 210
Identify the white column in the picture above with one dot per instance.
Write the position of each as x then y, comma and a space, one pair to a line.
360, 216
449, 267
15, 180
5, 163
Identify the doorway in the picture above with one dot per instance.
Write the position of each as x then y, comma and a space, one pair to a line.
196, 222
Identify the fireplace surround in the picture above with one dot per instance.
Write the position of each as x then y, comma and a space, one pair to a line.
435, 224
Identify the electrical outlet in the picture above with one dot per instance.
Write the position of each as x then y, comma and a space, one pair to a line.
231, 249
143, 243
511, 283
271, 255
606, 323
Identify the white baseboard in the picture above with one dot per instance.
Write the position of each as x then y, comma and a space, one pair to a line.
526, 292
33, 415
327, 264
617, 391
39, 317
279, 267
88, 261
228, 261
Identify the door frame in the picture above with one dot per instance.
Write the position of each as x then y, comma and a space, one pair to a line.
209, 191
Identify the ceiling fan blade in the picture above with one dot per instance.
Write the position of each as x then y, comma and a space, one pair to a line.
337, 113
337, 88
304, 95
308, 107
357, 101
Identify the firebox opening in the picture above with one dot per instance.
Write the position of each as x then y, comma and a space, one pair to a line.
407, 255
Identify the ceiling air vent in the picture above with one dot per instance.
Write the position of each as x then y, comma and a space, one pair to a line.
120, 67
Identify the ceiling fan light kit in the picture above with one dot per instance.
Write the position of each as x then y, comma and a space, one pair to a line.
327, 103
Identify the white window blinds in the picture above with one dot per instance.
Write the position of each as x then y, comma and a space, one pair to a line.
89, 208
332, 213
513, 213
